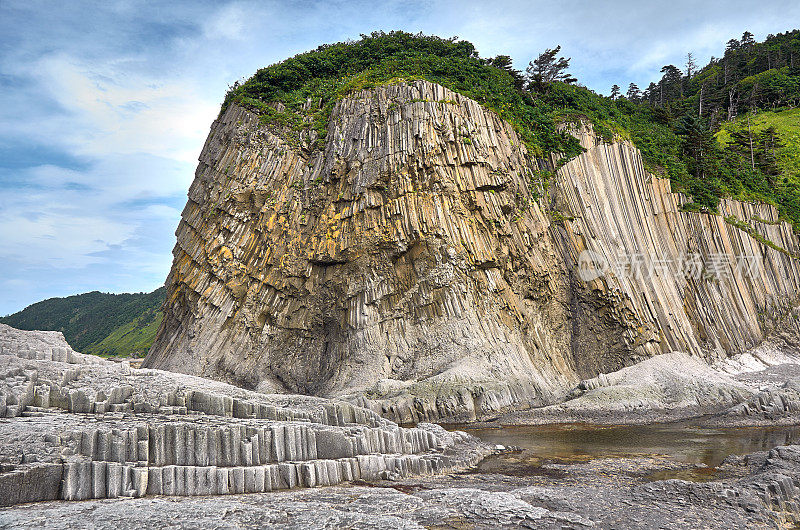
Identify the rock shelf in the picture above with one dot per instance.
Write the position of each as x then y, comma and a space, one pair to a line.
78, 427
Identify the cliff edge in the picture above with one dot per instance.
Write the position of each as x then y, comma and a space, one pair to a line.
418, 265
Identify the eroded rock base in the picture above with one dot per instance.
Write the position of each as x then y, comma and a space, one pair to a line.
757, 491
78, 427
759, 387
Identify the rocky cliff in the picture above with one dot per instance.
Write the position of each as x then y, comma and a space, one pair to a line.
417, 265
709, 285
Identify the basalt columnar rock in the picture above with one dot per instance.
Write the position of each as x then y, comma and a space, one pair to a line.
759, 490
408, 252
79, 427
414, 266
709, 285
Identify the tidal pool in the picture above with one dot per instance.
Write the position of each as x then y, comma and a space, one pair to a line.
572, 443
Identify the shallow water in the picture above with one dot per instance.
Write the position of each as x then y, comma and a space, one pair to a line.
571, 443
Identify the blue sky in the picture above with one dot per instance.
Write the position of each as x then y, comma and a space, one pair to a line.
104, 106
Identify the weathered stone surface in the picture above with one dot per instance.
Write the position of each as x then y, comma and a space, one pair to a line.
148, 432
760, 491
668, 381
746, 390
407, 267
409, 250
619, 211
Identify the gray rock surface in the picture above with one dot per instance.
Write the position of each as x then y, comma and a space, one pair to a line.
756, 491
751, 389
181, 451
663, 385
79, 427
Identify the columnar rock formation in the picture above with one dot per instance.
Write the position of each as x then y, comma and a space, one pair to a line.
408, 250
676, 281
411, 266
79, 427
709, 285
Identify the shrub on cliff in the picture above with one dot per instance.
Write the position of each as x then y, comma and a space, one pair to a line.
298, 95
335, 70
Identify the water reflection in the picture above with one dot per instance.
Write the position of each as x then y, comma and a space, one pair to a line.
581, 442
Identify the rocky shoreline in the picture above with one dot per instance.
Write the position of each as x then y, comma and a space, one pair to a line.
753, 389
77, 427
145, 449
758, 491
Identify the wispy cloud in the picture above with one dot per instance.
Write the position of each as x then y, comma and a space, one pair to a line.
104, 107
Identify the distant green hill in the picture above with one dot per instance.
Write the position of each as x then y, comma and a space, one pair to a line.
97, 323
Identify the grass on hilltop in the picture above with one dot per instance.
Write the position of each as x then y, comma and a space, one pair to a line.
98, 323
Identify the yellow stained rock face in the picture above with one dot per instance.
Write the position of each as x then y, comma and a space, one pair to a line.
416, 274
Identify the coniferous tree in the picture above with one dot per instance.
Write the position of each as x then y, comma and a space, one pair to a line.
671, 83
691, 66
633, 92
698, 143
546, 68
651, 93
744, 143
615, 91
769, 143
758, 148
504, 62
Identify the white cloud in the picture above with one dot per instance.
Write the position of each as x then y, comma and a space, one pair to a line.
229, 22
117, 100
161, 211
58, 239
112, 112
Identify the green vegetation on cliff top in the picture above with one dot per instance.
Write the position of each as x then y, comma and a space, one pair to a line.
782, 183
97, 323
672, 122
333, 71
727, 129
